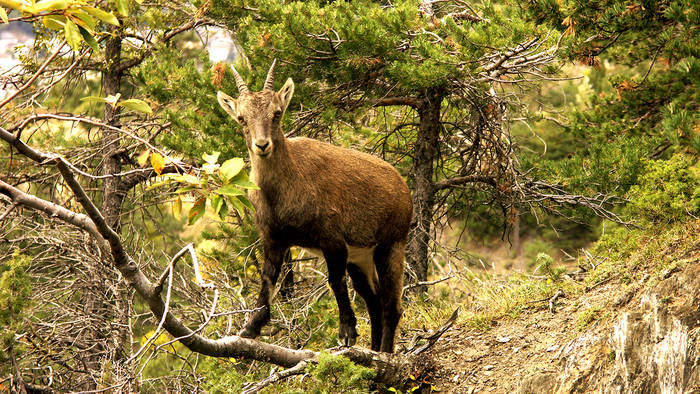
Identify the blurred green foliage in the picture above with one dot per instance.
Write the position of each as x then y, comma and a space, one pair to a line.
15, 288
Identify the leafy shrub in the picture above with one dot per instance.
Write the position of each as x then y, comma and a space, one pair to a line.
336, 374
533, 248
545, 265
668, 191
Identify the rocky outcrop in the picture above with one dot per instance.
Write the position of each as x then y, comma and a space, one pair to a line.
651, 347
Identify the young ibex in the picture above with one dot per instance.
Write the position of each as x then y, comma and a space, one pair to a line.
347, 206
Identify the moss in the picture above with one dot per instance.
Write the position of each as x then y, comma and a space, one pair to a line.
588, 316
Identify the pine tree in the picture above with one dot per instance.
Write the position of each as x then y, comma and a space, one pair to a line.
651, 49
437, 79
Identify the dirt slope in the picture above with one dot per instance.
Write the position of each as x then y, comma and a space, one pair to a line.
645, 337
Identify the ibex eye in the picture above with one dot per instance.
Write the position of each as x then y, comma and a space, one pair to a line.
277, 114
240, 119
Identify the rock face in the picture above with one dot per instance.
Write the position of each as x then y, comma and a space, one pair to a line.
652, 347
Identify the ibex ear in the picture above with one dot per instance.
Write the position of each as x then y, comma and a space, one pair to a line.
285, 94
229, 104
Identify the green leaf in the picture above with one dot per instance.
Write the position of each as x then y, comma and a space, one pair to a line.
241, 180
223, 212
3, 15
136, 105
123, 7
72, 35
197, 211
84, 19
89, 38
159, 184
191, 179
216, 203
246, 202
54, 22
230, 190
231, 168
104, 16
240, 208
211, 159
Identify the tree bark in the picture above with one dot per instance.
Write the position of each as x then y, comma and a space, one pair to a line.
425, 154
113, 189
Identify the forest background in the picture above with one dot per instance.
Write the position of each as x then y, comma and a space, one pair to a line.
530, 133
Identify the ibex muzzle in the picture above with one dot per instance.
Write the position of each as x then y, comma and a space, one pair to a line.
352, 208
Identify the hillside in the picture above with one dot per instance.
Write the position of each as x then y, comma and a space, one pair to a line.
628, 325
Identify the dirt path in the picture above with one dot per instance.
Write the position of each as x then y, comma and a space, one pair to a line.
498, 360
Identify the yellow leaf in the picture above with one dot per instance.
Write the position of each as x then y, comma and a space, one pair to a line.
143, 157
157, 162
104, 16
13, 4
3, 15
54, 22
46, 5
177, 207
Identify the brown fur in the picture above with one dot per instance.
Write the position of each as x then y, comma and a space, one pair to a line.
319, 196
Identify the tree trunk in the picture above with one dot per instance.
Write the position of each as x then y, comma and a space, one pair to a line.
425, 154
113, 189
113, 301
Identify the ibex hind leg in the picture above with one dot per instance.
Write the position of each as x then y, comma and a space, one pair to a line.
366, 289
336, 260
389, 260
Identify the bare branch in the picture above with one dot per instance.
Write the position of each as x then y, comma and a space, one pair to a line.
447, 183
389, 101
427, 283
35, 76
53, 210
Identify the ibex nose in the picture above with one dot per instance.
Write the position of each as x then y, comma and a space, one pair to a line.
263, 146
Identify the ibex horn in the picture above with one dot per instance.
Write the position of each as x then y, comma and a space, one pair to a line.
270, 77
242, 88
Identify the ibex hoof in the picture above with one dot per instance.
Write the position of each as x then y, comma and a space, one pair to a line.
347, 342
347, 336
248, 332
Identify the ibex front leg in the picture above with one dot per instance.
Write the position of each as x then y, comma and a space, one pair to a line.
274, 255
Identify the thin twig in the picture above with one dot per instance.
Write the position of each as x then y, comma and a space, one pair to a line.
35, 76
432, 338
560, 294
277, 376
426, 283
8, 210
